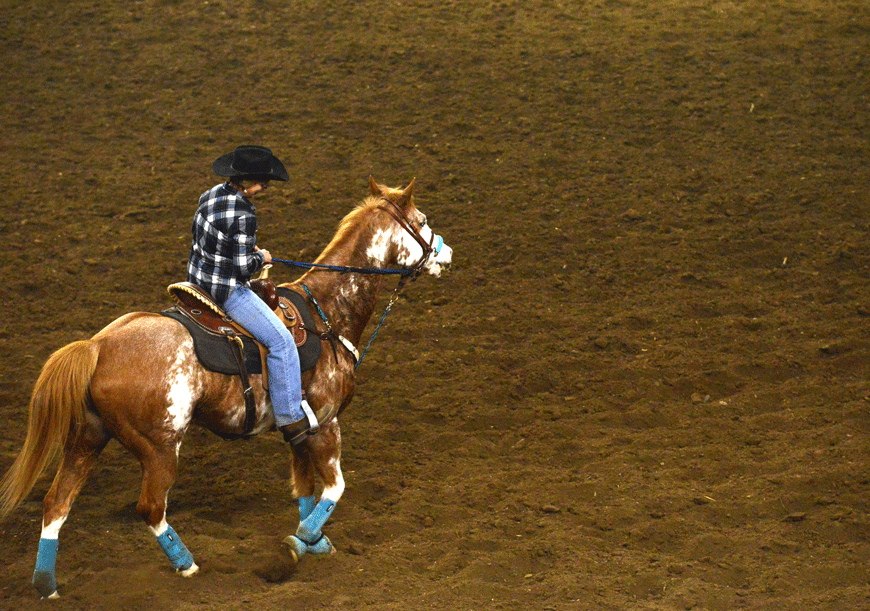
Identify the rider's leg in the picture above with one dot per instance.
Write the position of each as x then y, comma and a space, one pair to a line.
285, 382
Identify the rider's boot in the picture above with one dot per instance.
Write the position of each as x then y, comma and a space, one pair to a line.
297, 431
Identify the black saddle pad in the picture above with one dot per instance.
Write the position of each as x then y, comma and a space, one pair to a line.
216, 354
309, 351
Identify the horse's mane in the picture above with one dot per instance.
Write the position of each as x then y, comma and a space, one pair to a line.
350, 222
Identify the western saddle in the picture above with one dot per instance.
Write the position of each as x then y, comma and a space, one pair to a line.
198, 306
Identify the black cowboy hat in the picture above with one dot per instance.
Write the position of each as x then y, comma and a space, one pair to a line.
249, 160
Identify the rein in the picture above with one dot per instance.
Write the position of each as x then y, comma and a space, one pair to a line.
345, 269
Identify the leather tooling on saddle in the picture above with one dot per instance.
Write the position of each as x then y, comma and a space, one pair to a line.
216, 338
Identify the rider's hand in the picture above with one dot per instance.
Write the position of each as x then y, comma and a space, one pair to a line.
266, 254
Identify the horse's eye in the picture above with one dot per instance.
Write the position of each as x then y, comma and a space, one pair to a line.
423, 222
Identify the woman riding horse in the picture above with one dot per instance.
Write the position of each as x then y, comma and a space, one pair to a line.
224, 256
139, 379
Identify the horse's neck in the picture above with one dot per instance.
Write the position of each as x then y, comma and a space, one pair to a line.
347, 299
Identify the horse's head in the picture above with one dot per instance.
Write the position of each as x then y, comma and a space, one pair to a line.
416, 244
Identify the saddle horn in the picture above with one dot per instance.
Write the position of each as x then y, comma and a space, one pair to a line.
265, 288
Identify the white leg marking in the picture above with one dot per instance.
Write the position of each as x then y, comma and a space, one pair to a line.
160, 528
193, 570
51, 531
334, 492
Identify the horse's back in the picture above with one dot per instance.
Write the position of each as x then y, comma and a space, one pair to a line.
149, 373
133, 321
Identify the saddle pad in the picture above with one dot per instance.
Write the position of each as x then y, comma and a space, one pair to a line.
214, 351
216, 354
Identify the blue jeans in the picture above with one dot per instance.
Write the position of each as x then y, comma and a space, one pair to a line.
285, 380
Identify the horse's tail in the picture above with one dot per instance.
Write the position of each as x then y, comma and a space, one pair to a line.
57, 408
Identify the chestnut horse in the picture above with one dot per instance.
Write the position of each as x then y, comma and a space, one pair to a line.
138, 380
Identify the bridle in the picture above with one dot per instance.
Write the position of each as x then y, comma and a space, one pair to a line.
432, 246
394, 210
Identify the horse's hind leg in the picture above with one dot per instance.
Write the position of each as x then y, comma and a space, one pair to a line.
79, 456
159, 465
322, 454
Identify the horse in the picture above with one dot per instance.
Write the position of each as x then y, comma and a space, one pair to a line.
138, 380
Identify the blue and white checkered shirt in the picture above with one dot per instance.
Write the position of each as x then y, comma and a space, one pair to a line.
222, 256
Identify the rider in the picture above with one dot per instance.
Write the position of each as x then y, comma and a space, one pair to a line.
224, 256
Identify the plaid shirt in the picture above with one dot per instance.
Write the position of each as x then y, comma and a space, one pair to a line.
222, 256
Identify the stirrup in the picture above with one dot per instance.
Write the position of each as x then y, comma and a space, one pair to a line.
313, 424
298, 431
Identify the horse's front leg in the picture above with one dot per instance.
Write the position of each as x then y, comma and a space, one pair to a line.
320, 454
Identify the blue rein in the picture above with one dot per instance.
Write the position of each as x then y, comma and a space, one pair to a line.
345, 269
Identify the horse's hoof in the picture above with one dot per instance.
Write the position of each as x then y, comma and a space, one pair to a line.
295, 546
45, 584
191, 571
279, 567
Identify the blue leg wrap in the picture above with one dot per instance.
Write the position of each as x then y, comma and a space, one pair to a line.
306, 506
323, 547
179, 556
309, 528
43, 577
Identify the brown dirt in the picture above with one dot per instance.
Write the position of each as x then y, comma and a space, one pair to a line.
645, 386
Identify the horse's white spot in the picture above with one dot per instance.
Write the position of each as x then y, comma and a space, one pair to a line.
410, 251
264, 420
426, 234
51, 531
379, 248
350, 289
437, 261
181, 396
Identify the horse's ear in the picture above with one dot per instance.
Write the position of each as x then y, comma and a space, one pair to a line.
406, 194
375, 187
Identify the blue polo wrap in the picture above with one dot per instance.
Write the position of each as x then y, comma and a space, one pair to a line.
179, 556
309, 528
306, 506
43, 576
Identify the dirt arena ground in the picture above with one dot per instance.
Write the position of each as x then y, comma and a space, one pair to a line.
645, 384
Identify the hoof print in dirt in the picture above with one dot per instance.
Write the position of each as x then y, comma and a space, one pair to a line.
275, 568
